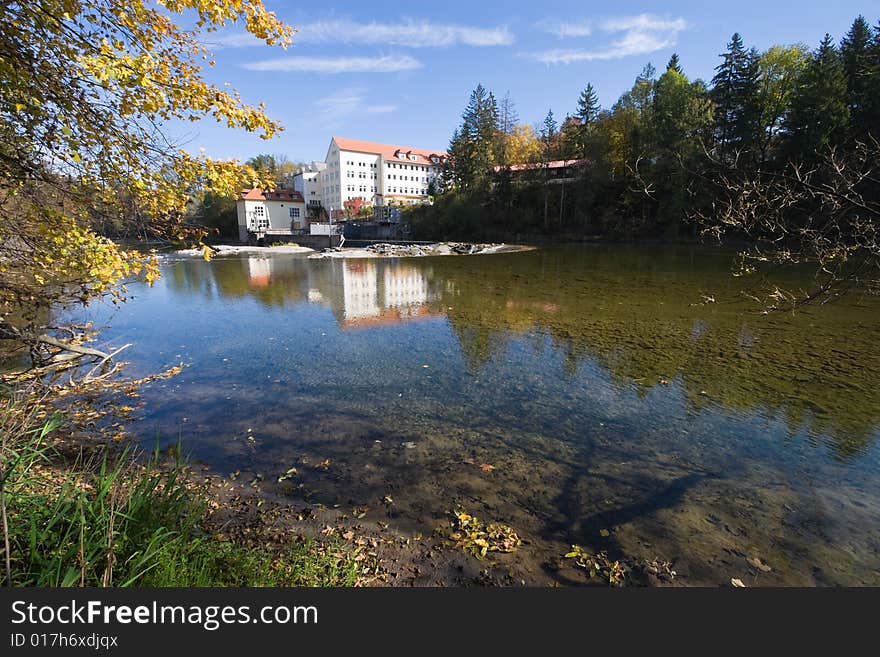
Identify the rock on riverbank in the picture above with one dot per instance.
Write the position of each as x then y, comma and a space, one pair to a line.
385, 250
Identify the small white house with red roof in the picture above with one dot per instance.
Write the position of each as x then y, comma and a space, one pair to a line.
263, 213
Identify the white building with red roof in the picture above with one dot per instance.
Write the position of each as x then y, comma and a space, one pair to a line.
263, 213
378, 174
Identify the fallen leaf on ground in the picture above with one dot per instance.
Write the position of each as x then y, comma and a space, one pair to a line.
737, 583
760, 565
485, 467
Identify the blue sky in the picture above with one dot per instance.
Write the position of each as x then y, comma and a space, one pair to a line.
401, 72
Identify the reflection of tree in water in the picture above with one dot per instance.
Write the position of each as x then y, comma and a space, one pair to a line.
638, 315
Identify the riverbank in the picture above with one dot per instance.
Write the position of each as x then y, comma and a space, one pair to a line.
82, 511
229, 249
78, 511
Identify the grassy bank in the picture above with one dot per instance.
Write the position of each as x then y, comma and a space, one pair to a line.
101, 517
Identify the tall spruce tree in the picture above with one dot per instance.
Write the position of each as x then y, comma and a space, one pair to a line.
855, 55
735, 90
588, 105
549, 131
818, 116
472, 149
673, 64
871, 110
578, 133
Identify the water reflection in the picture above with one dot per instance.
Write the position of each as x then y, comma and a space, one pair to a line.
600, 384
639, 316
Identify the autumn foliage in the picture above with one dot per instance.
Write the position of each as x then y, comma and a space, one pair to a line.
86, 87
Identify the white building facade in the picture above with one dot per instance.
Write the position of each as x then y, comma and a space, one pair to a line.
308, 181
377, 174
263, 213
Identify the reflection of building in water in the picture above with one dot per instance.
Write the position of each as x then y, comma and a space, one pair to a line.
405, 286
372, 292
404, 296
259, 271
360, 290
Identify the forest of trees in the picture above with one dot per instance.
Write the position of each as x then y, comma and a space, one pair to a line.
780, 145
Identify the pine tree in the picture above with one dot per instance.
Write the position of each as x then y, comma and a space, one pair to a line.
856, 59
577, 129
818, 115
735, 90
471, 150
870, 113
549, 131
673, 64
588, 106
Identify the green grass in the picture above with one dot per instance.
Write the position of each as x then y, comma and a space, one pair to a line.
114, 522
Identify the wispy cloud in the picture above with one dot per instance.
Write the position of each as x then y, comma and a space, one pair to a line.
333, 111
409, 33
641, 34
382, 64
571, 30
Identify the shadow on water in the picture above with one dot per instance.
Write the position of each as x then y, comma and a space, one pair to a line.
563, 391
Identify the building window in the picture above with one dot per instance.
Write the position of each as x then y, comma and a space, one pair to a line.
294, 213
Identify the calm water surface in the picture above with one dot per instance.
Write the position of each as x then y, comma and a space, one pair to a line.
602, 389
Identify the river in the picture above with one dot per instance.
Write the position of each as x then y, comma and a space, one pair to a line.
627, 399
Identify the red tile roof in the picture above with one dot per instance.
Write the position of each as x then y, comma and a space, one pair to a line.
388, 151
257, 194
554, 164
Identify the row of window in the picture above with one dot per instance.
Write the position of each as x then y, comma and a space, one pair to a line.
412, 178
409, 190
415, 167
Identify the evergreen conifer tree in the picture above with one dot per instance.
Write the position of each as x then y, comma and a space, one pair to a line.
857, 62
818, 116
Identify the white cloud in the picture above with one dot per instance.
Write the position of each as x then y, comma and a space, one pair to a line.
380, 109
233, 40
383, 64
571, 30
642, 34
333, 111
644, 22
410, 33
